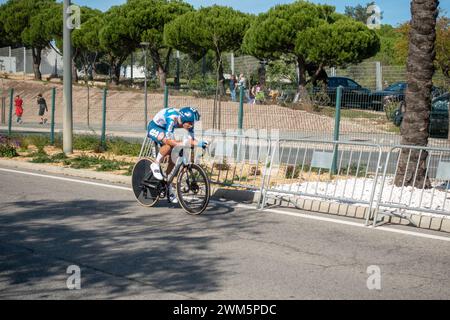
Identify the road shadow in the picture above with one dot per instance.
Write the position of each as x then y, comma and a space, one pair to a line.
164, 249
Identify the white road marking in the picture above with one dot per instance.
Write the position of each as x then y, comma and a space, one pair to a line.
349, 223
68, 179
281, 212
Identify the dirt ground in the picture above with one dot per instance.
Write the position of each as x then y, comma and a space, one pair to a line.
126, 108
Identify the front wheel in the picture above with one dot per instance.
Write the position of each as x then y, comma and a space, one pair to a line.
193, 189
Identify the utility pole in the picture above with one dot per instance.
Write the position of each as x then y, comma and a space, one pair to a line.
67, 60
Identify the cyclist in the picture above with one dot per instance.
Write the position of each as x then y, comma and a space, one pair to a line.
161, 130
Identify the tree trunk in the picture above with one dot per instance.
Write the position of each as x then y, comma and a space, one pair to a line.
301, 92
160, 66
162, 75
75, 56
220, 77
37, 63
262, 73
420, 70
317, 73
74, 72
116, 73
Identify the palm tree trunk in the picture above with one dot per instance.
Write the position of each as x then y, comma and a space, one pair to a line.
420, 70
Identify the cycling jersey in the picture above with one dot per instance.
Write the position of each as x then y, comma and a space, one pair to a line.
164, 124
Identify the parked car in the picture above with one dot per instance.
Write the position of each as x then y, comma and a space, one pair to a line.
396, 93
438, 116
353, 96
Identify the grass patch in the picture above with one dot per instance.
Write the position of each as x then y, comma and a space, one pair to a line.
86, 143
83, 162
109, 166
41, 157
352, 114
129, 171
38, 140
99, 163
121, 147
59, 157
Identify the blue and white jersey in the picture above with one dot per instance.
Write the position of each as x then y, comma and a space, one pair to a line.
170, 119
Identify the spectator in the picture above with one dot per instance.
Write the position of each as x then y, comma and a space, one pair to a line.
252, 95
242, 81
259, 94
242, 85
42, 104
233, 84
18, 102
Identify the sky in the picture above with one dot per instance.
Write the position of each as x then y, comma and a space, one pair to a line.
394, 12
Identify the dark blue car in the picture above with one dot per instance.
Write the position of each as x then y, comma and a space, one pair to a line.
438, 116
396, 93
353, 94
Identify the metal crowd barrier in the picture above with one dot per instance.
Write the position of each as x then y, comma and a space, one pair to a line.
237, 160
341, 172
232, 160
422, 188
148, 149
334, 171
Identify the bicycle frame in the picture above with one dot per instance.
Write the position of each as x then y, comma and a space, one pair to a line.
181, 162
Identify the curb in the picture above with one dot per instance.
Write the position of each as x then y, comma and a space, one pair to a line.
441, 224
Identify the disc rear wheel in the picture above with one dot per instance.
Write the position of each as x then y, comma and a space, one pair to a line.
145, 186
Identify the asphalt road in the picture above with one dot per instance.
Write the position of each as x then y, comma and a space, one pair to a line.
125, 251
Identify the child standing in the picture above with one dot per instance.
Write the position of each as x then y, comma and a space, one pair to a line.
18, 102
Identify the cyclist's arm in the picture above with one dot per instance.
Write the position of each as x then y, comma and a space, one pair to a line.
170, 136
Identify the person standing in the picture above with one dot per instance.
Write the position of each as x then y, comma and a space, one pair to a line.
18, 103
242, 86
42, 104
233, 84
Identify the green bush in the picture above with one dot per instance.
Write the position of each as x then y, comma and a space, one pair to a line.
293, 172
390, 109
7, 151
109, 166
121, 147
102, 164
84, 162
8, 147
59, 157
353, 170
86, 142
39, 141
224, 166
40, 158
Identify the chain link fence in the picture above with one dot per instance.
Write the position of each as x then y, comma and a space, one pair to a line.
367, 115
51, 63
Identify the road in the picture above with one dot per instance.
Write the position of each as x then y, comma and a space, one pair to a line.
233, 251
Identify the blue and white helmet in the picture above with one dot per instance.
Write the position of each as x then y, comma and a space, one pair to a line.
189, 114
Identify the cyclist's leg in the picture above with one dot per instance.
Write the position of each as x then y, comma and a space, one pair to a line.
157, 134
166, 151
